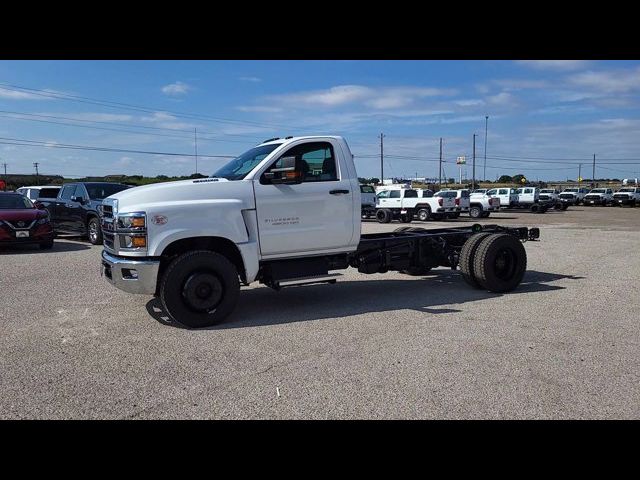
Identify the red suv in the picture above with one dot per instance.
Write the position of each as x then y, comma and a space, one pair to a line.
23, 222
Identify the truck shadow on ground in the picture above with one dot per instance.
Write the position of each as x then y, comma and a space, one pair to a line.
58, 247
434, 294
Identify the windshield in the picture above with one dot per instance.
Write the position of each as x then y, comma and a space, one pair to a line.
367, 189
446, 194
15, 202
239, 167
598, 190
632, 190
571, 190
100, 191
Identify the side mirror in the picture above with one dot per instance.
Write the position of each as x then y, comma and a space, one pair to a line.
39, 205
77, 199
288, 173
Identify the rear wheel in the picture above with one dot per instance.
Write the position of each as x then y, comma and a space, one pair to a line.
467, 255
475, 211
383, 216
406, 218
424, 214
500, 262
94, 232
200, 288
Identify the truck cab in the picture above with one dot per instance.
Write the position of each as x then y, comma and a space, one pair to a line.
287, 212
406, 203
527, 196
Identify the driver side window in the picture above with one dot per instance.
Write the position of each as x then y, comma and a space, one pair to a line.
315, 159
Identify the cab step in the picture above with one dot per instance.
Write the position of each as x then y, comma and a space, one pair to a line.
292, 282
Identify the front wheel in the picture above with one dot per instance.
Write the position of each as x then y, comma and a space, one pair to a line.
383, 216
94, 232
200, 288
406, 218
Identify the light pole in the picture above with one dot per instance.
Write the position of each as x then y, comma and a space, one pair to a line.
486, 128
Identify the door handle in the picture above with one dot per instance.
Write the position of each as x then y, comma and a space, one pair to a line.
338, 192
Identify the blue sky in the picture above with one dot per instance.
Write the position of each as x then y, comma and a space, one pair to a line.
544, 116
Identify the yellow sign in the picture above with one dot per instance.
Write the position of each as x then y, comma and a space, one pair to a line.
523, 180
579, 179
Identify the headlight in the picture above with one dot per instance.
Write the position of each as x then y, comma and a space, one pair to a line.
135, 220
133, 241
42, 221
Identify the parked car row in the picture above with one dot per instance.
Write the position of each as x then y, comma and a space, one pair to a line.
36, 214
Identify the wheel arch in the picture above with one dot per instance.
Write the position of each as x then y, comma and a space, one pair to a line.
220, 245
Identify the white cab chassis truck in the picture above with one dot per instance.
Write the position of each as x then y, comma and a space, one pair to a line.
287, 212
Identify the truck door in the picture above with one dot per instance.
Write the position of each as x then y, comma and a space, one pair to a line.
61, 215
315, 215
75, 209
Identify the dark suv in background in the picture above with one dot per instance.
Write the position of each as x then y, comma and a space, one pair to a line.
75, 210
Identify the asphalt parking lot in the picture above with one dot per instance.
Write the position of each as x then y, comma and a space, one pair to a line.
564, 345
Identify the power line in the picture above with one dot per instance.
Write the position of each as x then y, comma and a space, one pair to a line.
38, 143
128, 106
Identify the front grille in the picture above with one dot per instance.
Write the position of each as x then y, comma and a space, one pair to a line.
592, 197
107, 211
621, 196
21, 224
566, 195
108, 240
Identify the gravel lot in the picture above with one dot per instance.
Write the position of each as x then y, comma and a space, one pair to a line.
564, 345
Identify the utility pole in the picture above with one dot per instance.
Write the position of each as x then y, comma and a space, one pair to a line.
593, 176
5, 176
473, 181
440, 169
579, 172
381, 159
195, 136
486, 128
35, 164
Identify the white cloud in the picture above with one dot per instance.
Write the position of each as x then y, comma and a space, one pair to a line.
177, 88
379, 98
610, 81
502, 99
555, 65
21, 95
259, 109
469, 103
250, 79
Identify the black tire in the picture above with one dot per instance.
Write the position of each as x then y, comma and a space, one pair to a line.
94, 231
557, 206
199, 288
467, 255
383, 216
46, 245
416, 271
406, 218
500, 262
475, 211
534, 208
424, 214
544, 208
564, 206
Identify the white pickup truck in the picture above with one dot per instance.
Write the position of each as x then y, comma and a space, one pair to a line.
368, 201
406, 203
599, 196
481, 205
573, 195
627, 196
286, 212
508, 196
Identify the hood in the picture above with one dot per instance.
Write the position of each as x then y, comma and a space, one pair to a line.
27, 214
198, 190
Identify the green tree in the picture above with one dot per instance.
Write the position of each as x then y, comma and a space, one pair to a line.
505, 179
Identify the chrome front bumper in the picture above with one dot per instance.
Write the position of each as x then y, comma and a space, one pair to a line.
130, 275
